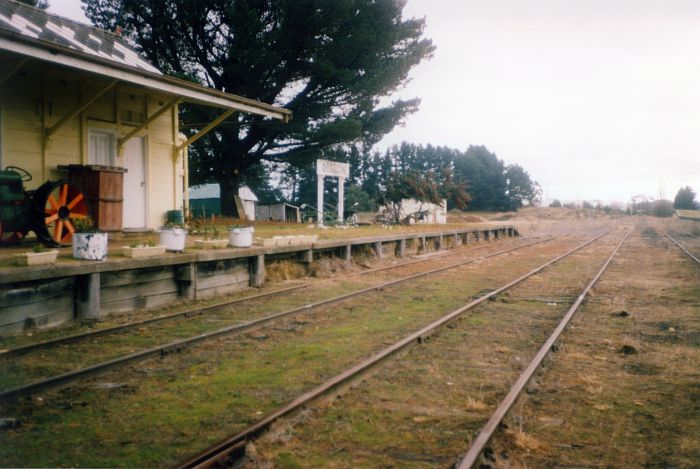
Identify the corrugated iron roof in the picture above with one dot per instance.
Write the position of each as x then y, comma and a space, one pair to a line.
39, 25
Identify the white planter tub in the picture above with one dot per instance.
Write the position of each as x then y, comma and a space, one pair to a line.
293, 240
90, 246
143, 251
36, 258
173, 238
211, 243
241, 237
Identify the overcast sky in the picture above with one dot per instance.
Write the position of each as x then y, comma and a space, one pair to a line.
597, 99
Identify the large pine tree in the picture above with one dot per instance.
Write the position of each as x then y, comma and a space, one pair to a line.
333, 63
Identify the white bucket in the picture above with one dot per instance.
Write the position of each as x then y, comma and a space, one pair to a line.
90, 246
173, 238
241, 237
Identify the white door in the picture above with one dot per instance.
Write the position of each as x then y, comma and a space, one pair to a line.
135, 183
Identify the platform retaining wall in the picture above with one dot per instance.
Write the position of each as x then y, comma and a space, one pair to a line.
49, 296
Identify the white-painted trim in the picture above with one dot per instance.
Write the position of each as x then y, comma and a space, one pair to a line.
190, 92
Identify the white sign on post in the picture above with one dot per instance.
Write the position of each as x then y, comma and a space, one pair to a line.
333, 169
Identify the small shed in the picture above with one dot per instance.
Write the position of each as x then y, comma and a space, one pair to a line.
415, 211
205, 200
249, 202
278, 212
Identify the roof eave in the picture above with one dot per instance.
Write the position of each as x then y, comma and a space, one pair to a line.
190, 92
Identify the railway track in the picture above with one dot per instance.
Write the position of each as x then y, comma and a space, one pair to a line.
202, 310
683, 248
634, 341
232, 449
478, 445
66, 378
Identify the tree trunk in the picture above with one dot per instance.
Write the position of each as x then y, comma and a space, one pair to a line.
229, 188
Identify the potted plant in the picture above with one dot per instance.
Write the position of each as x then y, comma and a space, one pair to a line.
39, 256
88, 242
240, 236
215, 243
142, 249
173, 237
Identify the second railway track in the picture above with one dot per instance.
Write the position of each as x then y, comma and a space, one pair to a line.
684, 248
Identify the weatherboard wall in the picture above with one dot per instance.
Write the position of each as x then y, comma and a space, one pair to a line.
38, 96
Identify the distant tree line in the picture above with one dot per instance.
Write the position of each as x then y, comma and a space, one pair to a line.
684, 200
613, 208
644, 205
475, 179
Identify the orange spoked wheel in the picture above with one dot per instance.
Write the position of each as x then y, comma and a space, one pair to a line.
56, 207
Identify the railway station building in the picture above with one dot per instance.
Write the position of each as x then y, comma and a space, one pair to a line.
73, 96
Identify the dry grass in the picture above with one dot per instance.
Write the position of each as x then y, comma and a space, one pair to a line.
524, 441
279, 271
328, 267
475, 405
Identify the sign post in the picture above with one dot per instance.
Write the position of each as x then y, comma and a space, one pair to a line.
333, 169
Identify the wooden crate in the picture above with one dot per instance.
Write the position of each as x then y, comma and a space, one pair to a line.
104, 188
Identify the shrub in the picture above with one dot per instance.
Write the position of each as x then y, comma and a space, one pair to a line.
662, 208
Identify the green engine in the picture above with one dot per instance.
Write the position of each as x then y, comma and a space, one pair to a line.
14, 206
49, 211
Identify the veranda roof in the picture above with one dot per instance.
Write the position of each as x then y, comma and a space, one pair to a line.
35, 34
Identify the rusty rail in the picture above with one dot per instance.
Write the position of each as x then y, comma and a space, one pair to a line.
499, 414
225, 451
683, 248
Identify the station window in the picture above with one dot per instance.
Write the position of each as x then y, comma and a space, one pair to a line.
102, 148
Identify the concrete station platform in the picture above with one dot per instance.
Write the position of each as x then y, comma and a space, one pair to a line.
46, 296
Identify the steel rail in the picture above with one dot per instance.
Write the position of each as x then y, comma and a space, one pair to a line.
220, 452
198, 311
64, 378
499, 414
683, 248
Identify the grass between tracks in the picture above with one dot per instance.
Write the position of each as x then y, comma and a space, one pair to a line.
161, 410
